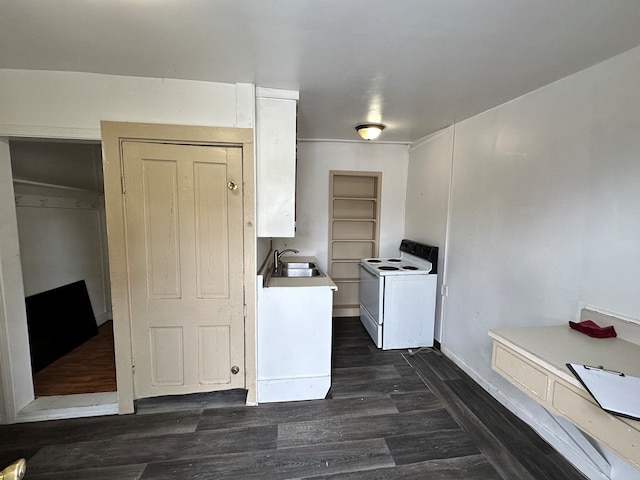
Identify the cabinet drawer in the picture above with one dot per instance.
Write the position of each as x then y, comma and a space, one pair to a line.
586, 414
519, 371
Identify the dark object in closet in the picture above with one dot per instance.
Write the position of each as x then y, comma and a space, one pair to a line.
59, 320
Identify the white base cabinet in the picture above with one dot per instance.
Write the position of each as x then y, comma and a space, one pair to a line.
294, 343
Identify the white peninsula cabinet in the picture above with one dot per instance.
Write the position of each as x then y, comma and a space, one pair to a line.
294, 336
276, 162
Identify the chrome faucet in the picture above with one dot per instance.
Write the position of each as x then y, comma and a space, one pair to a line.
277, 254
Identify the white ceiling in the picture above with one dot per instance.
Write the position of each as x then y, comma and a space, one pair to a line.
416, 65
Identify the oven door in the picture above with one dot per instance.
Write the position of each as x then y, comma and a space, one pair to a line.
371, 286
370, 293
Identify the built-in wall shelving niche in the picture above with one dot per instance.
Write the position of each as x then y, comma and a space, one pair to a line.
354, 213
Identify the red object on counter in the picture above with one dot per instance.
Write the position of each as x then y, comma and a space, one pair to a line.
592, 329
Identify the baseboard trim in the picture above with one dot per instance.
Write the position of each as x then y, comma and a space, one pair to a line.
103, 317
293, 389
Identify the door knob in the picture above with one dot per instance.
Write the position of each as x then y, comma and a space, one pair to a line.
232, 185
235, 369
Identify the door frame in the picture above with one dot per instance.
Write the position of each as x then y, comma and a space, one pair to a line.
113, 134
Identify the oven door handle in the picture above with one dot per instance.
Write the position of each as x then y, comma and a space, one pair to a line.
364, 269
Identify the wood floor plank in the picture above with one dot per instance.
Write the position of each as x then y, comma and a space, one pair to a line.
277, 413
287, 463
379, 387
498, 419
344, 351
421, 400
361, 428
346, 341
446, 370
432, 445
119, 452
363, 374
89, 368
405, 370
195, 401
54, 432
128, 472
367, 360
473, 467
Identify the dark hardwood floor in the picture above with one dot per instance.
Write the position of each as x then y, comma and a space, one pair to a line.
384, 419
89, 368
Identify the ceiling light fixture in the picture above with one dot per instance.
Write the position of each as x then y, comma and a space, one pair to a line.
369, 131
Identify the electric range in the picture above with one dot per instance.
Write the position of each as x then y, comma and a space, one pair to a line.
397, 296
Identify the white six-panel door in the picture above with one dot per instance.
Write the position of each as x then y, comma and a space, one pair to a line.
184, 242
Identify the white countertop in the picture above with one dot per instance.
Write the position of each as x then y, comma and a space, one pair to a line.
558, 345
288, 282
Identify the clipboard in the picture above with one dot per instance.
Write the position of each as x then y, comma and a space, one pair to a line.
615, 392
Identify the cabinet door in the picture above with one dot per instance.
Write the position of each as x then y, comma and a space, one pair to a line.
276, 166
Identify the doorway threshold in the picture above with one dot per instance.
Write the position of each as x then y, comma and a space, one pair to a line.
70, 406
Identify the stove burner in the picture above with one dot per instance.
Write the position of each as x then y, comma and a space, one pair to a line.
410, 268
384, 267
395, 260
373, 261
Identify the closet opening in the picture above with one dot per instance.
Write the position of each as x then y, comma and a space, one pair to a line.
59, 201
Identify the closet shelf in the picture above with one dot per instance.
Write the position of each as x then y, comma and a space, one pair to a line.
22, 181
339, 219
357, 199
354, 240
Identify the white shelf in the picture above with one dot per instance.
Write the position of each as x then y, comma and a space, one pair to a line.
22, 181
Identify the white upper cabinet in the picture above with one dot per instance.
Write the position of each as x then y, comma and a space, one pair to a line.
276, 162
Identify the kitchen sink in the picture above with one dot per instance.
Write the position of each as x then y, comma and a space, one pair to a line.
298, 269
298, 265
298, 272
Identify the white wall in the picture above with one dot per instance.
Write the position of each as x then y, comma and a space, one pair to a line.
59, 246
544, 218
77, 165
70, 105
428, 185
315, 161
46, 104
263, 248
